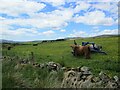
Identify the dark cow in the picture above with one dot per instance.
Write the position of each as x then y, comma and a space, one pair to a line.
9, 47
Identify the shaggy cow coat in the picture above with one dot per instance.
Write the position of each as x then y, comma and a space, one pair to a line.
81, 50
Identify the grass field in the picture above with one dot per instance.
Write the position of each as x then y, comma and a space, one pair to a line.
60, 52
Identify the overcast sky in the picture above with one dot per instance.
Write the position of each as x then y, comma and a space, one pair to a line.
23, 20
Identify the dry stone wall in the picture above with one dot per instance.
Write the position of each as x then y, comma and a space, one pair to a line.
85, 79
81, 77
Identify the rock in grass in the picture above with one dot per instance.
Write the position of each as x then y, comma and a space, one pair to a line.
63, 68
87, 73
69, 74
90, 77
96, 79
53, 66
104, 77
84, 68
116, 78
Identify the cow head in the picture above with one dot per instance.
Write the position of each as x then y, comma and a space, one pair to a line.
74, 46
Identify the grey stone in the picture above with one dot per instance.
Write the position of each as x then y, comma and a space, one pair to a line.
91, 85
78, 69
84, 77
104, 77
85, 84
116, 78
111, 85
84, 68
96, 79
87, 73
74, 79
79, 75
79, 84
75, 84
70, 73
63, 68
98, 84
89, 77
53, 66
42, 65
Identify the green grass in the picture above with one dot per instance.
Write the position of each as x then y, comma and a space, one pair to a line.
60, 52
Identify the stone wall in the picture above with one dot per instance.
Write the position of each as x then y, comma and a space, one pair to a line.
81, 77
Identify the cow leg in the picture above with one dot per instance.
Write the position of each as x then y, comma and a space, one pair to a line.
87, 55
75, 54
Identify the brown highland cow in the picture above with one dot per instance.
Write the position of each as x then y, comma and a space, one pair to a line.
81, 50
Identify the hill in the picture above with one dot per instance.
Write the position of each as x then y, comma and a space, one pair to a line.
7, 41
67, 38
107, 35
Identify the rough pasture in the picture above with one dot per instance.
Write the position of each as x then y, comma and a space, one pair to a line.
60, 52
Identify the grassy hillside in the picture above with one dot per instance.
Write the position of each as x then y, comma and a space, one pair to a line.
60, 52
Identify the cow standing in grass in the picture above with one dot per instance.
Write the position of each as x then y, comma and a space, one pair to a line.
81, 50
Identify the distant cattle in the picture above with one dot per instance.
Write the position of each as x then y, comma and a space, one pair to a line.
9, 47
81, 50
